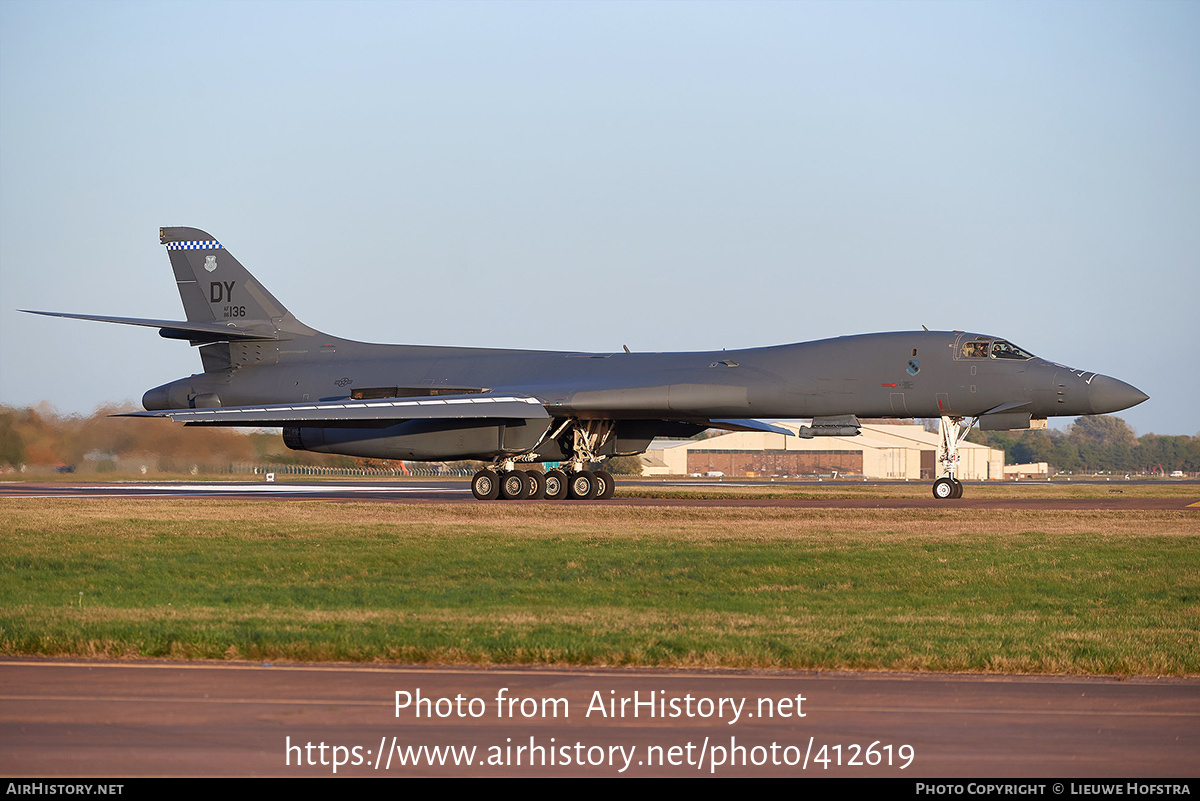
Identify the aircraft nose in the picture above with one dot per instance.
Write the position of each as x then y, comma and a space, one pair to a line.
1110, 395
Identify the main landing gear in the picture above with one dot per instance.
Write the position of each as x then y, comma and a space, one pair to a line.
553, 485
952, 431
503, 479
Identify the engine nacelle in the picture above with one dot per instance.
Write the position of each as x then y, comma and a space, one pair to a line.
421, 440
185, 393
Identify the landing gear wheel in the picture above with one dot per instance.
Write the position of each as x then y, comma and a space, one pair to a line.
957, 488
605, 486
535, 485
485, 485
556, 485
512, 485
944, 488
582, 486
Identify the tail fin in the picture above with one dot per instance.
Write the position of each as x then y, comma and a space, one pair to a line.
218, 291
213, 285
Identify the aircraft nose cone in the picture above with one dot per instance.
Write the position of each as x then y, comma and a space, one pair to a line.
1110, 395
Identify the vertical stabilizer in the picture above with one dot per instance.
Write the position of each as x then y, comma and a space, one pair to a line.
213, 284
216, 288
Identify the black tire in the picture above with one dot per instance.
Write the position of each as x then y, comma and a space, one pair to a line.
512, 485
605, 485
581, 486
485, 485
556, 485
957, 488
535, 485
943, 489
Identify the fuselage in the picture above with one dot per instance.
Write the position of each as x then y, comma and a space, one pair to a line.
899, 374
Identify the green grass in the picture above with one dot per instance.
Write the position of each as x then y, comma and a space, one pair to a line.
842, 489
1105, 592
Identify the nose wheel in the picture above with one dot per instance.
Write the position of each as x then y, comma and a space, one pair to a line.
945, 488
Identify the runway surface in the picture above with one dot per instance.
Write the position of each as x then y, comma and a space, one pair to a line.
154, 718
456, 491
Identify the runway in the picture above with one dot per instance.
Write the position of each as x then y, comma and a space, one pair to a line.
458, 491
155, 718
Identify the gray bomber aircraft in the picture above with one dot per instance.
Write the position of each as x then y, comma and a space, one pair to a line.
263, 367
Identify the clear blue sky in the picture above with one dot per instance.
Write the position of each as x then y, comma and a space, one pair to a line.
671, 176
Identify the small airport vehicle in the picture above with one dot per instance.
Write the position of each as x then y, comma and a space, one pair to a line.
263, 367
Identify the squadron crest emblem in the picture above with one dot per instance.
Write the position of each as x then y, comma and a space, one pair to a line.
210, 263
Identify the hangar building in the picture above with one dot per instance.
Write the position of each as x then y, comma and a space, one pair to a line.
900, 451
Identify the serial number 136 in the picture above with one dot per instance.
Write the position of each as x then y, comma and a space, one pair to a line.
235, 311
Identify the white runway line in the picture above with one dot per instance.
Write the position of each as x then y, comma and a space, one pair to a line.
225, 489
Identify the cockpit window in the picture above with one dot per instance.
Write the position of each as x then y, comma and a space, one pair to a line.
975, 349
1007, 350
996, 349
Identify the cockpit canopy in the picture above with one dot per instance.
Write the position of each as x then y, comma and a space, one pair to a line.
988, 348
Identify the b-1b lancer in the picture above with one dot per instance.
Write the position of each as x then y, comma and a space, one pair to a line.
263, 367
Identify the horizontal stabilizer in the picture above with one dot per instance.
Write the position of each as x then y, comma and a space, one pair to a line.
476, 405
182, 329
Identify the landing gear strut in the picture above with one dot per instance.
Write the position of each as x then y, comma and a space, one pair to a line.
952, 430
587, 437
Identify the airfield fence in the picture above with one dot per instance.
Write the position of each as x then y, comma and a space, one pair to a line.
145, 467
312, 470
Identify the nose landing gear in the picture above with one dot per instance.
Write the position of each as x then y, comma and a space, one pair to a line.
952, 430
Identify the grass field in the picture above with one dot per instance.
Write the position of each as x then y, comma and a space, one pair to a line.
1110, 592
842, 489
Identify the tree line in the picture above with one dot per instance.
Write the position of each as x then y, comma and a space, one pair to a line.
1096, 444
40, 436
